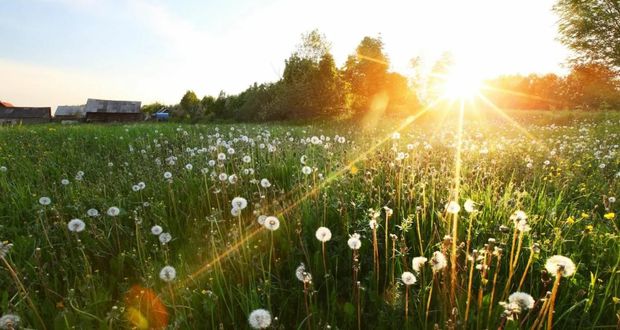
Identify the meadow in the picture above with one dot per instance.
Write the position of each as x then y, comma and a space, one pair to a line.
436, 221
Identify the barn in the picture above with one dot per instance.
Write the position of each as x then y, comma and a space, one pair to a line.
69, 112
10, 114
112, 111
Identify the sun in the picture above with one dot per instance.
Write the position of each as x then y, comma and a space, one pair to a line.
461, 83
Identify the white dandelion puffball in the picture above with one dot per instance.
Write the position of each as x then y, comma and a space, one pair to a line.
302, 275
3, 169
223, 176
156, 230
453, 207
265, 183
247, 159
438, 261
167, 175
64, 182
45, 201
354, 242
164, 238
141, 185
408, 278
135, 188
93, 213
372, 224
272, 223
323, 234
189, 167
260, 319
612, 199
261, 219
522, 299
9, 321
518, 216
232, 179
235, 212
469, 206
239, 202
168, 274
522, 226
113, 211
417, 263
307, 170
560, 264
76, 225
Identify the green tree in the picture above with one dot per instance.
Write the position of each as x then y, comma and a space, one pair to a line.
366, 72
152, 108
191, 107
592, 29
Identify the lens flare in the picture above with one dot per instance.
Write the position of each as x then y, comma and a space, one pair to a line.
144, 309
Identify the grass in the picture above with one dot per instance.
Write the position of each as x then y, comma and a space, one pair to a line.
108, 275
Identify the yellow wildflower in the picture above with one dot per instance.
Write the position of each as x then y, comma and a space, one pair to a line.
609, 216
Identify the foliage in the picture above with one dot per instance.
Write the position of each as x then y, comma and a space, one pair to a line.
592, 29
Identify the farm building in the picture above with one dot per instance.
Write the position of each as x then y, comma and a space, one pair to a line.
10, 114
112, 111
70, 112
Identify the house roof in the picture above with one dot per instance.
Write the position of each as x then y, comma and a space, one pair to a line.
96, 105
25, 112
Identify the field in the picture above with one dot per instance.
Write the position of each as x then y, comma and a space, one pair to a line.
198, 226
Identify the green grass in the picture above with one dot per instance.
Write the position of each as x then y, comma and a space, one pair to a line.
81, 279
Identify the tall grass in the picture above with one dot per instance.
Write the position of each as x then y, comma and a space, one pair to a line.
563, 175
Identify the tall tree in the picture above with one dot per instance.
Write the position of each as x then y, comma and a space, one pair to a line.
366, 72
592, 29
192, 108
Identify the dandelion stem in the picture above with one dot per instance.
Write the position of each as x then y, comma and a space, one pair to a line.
554, 293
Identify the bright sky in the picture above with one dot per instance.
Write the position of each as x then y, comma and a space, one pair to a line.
57, 52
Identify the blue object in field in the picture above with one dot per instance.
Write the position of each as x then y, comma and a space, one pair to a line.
162, 116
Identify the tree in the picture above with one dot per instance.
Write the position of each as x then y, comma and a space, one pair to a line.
593, 86
366, 72
191, 107
152, 108
592, 29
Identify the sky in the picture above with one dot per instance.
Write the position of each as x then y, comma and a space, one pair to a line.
61, 52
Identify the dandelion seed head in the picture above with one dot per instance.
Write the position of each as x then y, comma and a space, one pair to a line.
408, 278
260, 319
469, 206
76, 225
524, 300
93, 213
156, 230
417, 263
453, 207
302, 275
9, 321
165, 238
560, 264
113, 211
323, 234
354, 242
168, 274
272, 223
438, 261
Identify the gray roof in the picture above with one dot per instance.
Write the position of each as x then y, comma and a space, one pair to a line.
95, 105
25, 112
70, 110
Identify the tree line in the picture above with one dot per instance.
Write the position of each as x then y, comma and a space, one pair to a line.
313, 87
